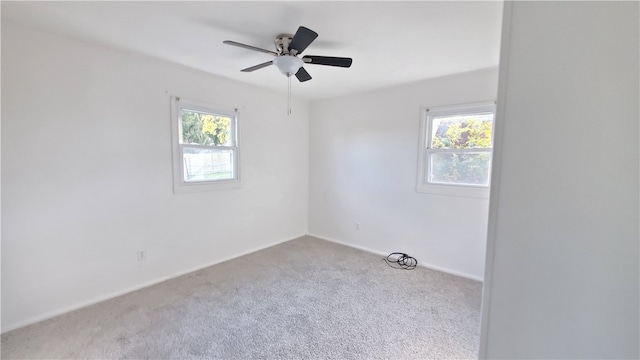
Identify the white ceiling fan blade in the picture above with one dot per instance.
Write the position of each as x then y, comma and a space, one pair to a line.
229, 42
256, 67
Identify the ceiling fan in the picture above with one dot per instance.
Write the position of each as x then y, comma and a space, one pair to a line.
288, 47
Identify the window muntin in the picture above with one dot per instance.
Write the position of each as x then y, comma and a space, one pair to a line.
206, 146
456, 149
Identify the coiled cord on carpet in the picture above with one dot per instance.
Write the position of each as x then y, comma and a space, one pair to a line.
401, 261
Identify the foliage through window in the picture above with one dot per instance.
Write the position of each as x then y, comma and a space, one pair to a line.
456, 146
206, 150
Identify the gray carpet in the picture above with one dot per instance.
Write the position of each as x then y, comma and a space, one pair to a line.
304, 299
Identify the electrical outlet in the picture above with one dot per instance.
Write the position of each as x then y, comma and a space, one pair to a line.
141, 255
357, 226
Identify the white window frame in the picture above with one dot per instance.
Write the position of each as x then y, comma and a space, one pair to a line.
181, 186
463, 190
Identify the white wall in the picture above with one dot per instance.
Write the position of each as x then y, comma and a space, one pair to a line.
364, 156
563, 269
86, 174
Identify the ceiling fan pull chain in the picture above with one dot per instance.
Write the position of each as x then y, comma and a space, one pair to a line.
289, 96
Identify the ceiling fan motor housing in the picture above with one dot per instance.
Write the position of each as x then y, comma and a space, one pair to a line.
282, 42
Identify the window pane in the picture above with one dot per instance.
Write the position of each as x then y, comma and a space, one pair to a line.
461, 168
462, 131
207, 164
205, 129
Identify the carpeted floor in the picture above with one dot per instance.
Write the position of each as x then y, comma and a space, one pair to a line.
304, 299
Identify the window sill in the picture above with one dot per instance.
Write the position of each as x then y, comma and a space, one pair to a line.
182, 187
479, 192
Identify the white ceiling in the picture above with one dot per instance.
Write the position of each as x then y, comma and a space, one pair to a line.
391, 43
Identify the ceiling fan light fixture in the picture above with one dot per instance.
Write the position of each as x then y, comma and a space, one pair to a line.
288, 64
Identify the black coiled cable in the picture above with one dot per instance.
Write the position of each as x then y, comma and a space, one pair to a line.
401, 261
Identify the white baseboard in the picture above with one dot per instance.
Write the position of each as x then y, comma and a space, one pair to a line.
385, 254
115, 294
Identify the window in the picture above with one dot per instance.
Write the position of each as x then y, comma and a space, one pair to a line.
456, 144
205, 147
